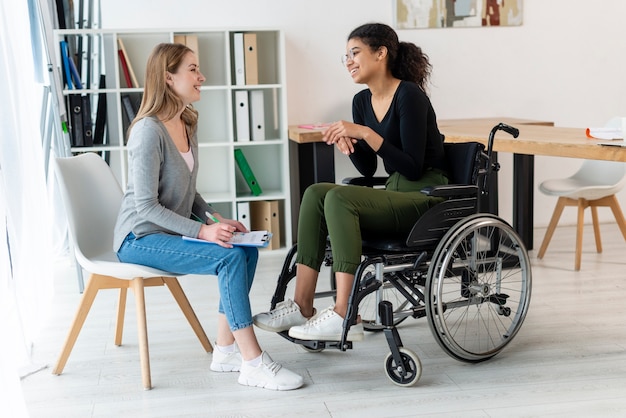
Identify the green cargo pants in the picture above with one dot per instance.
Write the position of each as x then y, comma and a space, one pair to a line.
347, 213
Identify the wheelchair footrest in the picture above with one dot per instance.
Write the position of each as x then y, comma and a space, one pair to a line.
316, 344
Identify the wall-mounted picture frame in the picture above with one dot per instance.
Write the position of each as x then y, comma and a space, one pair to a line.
423, 14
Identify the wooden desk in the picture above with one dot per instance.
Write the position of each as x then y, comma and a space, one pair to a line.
536, 138
533, 140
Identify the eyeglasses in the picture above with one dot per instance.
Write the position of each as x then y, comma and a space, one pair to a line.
350, 55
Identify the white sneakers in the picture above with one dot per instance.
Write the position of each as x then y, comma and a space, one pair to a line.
226, 362
269, 375
327, 326
284, 316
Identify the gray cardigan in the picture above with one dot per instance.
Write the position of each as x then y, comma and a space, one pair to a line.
161, 191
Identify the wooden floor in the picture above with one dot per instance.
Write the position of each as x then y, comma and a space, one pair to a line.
569, 358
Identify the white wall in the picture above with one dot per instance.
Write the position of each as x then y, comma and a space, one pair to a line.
564, 64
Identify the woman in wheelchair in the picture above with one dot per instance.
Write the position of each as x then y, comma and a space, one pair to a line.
394, 120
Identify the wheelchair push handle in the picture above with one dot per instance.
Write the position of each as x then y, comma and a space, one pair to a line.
514, 132
491, 166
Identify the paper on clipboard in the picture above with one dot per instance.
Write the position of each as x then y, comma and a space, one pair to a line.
245, 239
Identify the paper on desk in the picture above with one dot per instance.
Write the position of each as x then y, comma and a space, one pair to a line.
604, 133
246, 239
314, 126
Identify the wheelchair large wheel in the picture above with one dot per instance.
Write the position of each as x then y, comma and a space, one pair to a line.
478, 288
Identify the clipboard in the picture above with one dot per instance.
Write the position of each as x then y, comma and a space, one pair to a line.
242, 239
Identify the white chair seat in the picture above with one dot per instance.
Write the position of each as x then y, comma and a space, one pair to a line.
108, 264
578, 188
593, 185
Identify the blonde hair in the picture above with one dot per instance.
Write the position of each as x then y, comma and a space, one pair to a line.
158, 98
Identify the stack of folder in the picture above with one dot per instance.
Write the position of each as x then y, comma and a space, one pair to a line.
249, 105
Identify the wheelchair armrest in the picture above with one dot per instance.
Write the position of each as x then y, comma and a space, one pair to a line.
451, 190
365, 181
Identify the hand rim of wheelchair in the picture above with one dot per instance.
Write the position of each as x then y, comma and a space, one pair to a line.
445, 331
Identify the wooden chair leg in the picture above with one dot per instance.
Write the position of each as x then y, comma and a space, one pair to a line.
89, 294
142, 332
177, 291
617, 212
121, 309
96, 282
556, 215
579, 232
596, 228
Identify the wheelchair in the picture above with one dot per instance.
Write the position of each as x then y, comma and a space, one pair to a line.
467, 272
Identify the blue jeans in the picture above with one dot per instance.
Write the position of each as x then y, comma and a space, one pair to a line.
234, 268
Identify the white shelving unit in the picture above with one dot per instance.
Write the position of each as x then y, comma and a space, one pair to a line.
220, 182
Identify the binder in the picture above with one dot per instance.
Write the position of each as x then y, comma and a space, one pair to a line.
101, 113
265, 215
129, 107
251, 58
257, 115
129, 67
247, 173
191, 41
87, 123
243, 214
242, 118
238, 55
76, 119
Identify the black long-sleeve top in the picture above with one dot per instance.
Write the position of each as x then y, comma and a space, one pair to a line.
412, 142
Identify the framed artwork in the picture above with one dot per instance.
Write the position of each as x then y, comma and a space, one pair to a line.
418, 14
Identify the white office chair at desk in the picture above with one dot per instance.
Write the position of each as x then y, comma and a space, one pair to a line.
594, 184
92, 198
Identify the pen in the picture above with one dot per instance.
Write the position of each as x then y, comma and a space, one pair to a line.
211, 217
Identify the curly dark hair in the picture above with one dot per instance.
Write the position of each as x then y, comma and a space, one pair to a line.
405, 60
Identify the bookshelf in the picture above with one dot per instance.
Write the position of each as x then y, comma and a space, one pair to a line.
220, 181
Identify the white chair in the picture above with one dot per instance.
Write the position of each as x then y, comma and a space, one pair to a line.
594, 184
92, 197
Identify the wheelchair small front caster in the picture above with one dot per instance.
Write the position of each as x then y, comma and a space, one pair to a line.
407, 373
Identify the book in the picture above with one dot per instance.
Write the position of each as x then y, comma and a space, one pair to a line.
243, 239
247, 173
65, 57
129, 67
257, 115
125, 72
604, 133
250, 58
238, 58
74, 74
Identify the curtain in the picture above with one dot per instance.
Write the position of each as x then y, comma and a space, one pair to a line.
26, 279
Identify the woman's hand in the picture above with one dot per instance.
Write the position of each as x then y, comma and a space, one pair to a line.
345, 134
221, 232
341, 130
